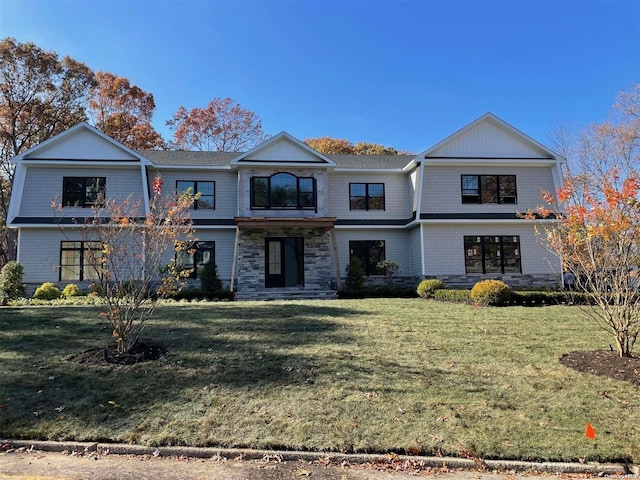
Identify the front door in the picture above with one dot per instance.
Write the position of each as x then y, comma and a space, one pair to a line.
284, 258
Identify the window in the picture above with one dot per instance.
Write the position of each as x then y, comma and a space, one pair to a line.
370, 252
283, 190
83, 191
489, 189
77, 260
194, 256
207, 191
366, 196
491, 254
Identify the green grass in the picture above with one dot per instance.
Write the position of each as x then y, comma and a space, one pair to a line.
377, 375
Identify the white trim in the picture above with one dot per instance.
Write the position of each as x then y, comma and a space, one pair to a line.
513, 162
84, 163
369, 170
17, 192
325, 161
371, 227
423, 258
190, 167
501, 123
515, 221
79, 126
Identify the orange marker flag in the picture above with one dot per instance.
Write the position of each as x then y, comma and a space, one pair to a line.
590, 432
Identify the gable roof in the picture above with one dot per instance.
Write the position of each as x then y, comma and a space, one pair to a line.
82, 142
283, 149
489, 137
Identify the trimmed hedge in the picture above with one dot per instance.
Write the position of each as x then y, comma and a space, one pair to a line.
493, 293
460, 296
198, 294
427, 288
378, 292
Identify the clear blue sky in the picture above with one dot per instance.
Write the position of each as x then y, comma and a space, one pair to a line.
401, 73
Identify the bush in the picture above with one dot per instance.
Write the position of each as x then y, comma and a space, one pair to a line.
355, 275
378, 292
427, 288
72, 290
494, 293
11, 287
461, 296
209, 280
47, 291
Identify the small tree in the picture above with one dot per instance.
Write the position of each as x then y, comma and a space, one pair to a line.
596, 235
390, 268
355, 275
209, 280
132, 250
11, 286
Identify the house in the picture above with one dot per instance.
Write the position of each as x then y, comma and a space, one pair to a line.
283, 220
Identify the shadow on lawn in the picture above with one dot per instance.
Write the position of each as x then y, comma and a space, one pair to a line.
269, 345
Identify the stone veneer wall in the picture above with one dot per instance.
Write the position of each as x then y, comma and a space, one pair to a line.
318, 263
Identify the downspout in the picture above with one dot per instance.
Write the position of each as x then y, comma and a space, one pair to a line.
336, 260
423, 266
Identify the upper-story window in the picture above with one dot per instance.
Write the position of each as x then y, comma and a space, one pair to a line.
366, 196
489, 189
283, 190
83, 191
207, 191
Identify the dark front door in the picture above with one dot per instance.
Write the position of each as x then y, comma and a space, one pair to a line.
284, 258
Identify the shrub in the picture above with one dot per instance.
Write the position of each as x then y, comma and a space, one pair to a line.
445, 295
11, 287
427, 288
390, 268
355, 275
47, 291
72, 290
209, 280
495, 293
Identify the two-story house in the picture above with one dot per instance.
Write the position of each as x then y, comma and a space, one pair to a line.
284, 220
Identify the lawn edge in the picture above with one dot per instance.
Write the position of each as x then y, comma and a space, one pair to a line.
288, 455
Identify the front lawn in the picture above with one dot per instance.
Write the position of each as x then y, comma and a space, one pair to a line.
376, 375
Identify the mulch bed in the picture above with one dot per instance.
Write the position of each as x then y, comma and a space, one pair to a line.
140, 352
606, 364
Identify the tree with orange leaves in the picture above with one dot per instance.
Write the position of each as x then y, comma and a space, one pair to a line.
127, 250
123, 111
596, 234
223, 125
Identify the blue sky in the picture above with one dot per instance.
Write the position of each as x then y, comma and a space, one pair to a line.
400, 73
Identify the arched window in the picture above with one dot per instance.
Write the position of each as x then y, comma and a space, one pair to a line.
283, 191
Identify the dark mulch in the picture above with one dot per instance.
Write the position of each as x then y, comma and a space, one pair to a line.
140, 352
605, 364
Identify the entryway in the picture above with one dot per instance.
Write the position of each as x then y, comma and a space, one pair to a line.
284, 262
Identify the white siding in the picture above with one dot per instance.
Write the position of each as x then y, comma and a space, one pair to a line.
224, 242
442, 190
39, 253
444, 247
82, 145
283, 150
395, 245
396, 199
43, 185
488, 140
226, 190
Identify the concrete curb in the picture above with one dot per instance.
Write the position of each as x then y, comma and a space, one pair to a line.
250, 454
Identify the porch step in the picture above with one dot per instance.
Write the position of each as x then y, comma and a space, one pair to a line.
287, 294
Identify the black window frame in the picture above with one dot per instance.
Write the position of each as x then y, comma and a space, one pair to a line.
481, 247
369, 264
301, 193
198, 204
197, 249
82, 248
484, 190
77, 188
354, 200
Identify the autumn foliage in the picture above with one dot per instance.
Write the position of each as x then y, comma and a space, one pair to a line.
223, 125
338, 146
123, 111
596, 234
131, 244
